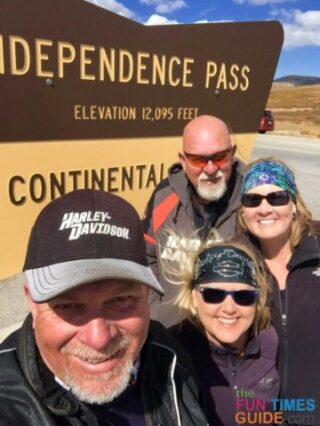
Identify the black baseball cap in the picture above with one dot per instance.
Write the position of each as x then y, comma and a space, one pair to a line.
85, 236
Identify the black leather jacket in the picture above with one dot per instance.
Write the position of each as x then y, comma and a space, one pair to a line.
30, 396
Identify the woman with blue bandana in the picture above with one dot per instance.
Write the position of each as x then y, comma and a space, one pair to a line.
225, 330
277, 221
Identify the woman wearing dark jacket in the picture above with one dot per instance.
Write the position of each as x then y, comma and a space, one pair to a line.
277, 221
225, 331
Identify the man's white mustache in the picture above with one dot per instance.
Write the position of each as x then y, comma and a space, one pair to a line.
204, 176
88, 354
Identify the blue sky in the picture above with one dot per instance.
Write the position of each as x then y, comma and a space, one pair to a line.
300, 19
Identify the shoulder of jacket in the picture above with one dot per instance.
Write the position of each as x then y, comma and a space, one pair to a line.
187, 334
10, 369
6, 351
9, 344
314, 240
176, 183
239, 167
176, 180
269, 343
163, 341
307, 250
162, 188
160, 336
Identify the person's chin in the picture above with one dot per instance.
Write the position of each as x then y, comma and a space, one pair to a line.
211, 192
269, 231
232, 339
99, 388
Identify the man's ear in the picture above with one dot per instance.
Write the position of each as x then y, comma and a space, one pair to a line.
233, 150
31, 303
182, 160
147, 290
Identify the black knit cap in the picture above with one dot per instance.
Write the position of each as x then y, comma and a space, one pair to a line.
84, 236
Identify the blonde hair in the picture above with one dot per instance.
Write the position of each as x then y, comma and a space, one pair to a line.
182, 273
302, 219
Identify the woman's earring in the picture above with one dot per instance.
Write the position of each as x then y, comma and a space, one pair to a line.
195, 315
294, 214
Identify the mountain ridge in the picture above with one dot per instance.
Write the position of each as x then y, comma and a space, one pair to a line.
298, 80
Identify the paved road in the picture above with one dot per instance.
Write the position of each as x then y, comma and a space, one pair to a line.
303, 156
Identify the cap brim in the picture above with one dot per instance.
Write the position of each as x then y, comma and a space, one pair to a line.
50, 281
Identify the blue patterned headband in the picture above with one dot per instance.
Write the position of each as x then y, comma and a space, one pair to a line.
272, 173
224, 264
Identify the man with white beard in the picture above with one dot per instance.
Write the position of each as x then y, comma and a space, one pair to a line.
200, 195
88, 354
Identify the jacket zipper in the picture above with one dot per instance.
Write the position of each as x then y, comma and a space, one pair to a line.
175, 398
234, 375
284, 329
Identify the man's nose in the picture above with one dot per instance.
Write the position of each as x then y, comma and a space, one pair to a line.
97, 333
210, 167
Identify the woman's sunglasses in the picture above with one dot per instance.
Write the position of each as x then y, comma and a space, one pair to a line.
218, 159
217, 295
277, 198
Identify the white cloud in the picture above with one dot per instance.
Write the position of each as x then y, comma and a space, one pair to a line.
114, 6
165, 6
300, 28
159, 20
310, 19
205, 21
261, 2
282, 14
202, 21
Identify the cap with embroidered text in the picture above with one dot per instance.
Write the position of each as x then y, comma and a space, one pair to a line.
84, 236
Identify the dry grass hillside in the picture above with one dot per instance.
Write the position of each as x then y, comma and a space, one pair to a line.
296, 109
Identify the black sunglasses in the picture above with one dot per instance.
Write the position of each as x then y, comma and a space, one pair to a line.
217, 295
277, 198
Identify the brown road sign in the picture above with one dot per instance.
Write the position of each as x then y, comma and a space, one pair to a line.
91, 99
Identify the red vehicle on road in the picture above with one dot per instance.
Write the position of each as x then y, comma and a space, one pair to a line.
266, 122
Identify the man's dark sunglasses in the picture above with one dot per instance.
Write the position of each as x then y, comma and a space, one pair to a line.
277, 198
217, 295
219, 158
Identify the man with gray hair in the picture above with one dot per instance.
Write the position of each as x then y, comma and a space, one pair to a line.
200, 194
87, 354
